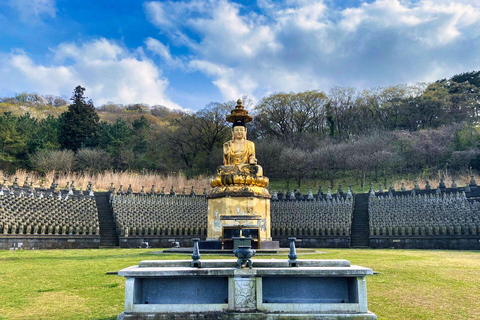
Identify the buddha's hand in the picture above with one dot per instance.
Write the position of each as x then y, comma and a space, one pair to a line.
252, 160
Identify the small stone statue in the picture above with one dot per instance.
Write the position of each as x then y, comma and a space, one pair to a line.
442, 183
349, 192
310, 194
274, 195
416, 186
340, 190
391, 188
320, 191
454, 184
473, 183
54, 184
26, 184
298, 194
427, 185
329, 194
15, 183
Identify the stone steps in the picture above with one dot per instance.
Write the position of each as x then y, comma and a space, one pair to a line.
360, 230
108, 231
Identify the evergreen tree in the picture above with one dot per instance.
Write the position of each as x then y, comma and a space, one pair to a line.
80, 123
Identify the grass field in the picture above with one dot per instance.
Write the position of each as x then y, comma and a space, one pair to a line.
73, 284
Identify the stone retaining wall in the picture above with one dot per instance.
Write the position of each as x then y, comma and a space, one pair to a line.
315, 242
12, 242
435, 242
157, 242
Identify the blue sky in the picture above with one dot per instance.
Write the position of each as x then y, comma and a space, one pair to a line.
185, 54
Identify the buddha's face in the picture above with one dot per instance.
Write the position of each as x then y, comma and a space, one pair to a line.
239, 132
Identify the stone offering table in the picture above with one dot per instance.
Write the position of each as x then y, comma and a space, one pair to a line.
316, 289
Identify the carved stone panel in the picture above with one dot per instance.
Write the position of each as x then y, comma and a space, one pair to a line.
245, 297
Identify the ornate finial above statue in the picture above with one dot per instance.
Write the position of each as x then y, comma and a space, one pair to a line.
240, 173
239, 114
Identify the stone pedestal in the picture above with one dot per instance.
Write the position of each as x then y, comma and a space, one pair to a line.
231, 212
316, 289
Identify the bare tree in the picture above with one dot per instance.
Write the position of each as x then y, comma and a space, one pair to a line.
53, 160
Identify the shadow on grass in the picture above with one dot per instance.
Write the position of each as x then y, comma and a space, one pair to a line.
84, 258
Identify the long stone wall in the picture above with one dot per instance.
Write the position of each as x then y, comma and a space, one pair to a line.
428, 218
15, 242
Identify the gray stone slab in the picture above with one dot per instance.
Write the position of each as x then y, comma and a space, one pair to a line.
196, 290
258, 263
353, 271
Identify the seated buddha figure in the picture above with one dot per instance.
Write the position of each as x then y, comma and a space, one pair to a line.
240, 172
240, 152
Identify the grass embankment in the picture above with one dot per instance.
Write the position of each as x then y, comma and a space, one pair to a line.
73, 284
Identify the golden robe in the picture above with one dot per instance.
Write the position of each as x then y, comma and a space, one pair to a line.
230, 157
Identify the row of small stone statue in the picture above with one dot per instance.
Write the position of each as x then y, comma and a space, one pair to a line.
441, 185
152, 191
28, 185
298, 195
32, 193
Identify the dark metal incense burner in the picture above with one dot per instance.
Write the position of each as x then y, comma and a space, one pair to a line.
244, 253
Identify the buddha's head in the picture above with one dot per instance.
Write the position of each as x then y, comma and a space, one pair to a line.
239, 131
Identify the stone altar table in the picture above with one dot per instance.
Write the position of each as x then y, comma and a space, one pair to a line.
316, 289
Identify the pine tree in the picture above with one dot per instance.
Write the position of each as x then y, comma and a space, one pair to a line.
79, 125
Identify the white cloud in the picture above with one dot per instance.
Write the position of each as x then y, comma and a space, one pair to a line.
29, 8
302, 45
163, 52
108, 71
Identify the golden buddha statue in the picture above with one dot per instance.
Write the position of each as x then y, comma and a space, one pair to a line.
240, 172
239, 151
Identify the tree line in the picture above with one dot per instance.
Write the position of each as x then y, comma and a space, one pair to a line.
313, 134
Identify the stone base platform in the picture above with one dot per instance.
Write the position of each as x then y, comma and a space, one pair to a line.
314, 289
250, 316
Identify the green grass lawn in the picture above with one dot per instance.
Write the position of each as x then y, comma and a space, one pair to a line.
73, 284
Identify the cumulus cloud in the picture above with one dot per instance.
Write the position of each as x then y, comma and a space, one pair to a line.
163, 52
107, 70
35, 8
300, 45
